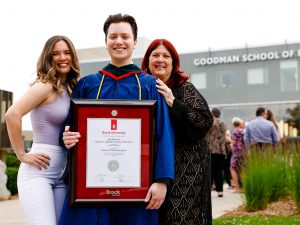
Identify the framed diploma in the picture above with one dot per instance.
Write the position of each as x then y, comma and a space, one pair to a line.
112, 163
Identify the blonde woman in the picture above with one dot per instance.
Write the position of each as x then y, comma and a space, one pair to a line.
41, 189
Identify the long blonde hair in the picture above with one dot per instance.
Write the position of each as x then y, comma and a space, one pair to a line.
46, 70
271, 117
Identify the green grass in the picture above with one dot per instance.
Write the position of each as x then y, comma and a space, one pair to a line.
257, 220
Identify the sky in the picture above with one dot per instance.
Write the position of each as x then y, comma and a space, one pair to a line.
191, 25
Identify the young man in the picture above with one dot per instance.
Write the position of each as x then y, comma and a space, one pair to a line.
121, 79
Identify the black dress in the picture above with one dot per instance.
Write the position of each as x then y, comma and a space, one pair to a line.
188, 200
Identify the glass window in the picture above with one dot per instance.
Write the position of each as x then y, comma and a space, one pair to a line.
257, 76
289, 76
198, 80
225, 79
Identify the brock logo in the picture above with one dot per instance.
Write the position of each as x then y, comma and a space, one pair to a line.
113, 193
113, 125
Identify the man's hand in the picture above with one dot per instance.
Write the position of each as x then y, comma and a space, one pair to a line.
70, 138
156, 195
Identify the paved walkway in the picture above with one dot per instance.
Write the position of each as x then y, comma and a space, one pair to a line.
12, 214
229, 201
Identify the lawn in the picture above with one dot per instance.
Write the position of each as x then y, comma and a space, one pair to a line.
258, 220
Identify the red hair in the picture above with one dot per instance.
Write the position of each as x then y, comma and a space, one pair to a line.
177, 77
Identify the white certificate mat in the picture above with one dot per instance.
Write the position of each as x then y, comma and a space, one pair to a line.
113, 152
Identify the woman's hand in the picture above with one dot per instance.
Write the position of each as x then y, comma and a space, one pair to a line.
165, 91
70, 138
39, 160
156, 195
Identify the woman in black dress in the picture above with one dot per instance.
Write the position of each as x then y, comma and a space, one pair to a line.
189, 199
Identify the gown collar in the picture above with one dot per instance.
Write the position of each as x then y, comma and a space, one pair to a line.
118, 73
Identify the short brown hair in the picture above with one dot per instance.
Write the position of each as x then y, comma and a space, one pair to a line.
216, 112
118, 18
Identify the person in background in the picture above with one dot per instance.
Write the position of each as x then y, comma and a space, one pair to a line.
260, 132
121, 79
216, 143
188, 200
227, 173
238, 150
271, 117
40, 187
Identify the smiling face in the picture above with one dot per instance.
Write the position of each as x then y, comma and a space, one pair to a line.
62, 59
160, 63
120, 43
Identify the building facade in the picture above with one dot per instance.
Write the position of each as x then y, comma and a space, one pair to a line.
6, 98
240, 80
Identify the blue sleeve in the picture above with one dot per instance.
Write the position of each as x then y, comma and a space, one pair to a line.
78, 91
165, 166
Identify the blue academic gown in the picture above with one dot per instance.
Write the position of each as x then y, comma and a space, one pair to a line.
118, 84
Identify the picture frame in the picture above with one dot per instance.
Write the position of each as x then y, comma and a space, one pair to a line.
112, 164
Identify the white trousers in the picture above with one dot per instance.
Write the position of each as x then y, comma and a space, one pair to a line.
42, 192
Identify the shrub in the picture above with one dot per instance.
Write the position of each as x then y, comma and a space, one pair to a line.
277, 176
264, 177
12, 163
254, 182
295, 177
12, 173
12, 160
